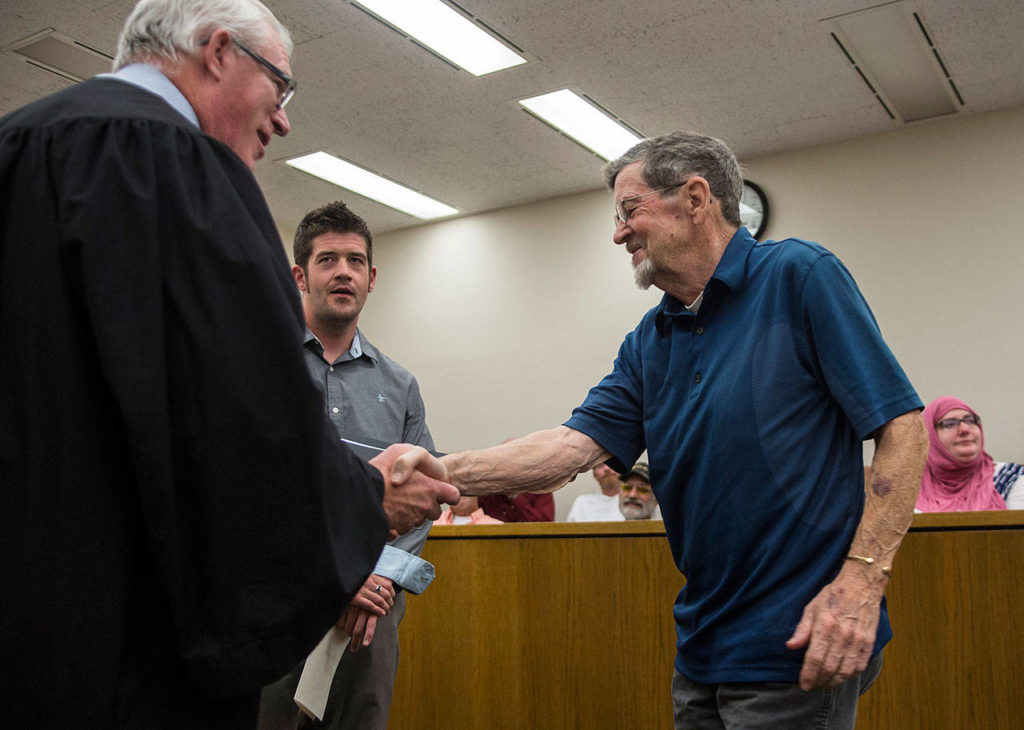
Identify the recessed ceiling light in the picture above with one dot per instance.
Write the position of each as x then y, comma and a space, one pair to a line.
584, 122
896, 57
448, 33
64, 56
370, 185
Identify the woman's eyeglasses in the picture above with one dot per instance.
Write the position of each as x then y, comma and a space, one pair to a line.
947, 423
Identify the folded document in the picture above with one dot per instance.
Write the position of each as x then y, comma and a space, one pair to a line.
317, 675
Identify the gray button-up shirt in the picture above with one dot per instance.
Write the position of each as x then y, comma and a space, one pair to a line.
372, 399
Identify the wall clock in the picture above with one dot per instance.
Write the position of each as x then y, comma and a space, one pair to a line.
754, 209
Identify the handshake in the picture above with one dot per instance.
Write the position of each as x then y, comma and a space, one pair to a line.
414, 488
416, 484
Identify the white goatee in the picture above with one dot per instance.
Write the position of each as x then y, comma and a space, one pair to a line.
643, 274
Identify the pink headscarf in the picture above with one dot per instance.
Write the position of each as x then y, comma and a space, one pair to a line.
947, 485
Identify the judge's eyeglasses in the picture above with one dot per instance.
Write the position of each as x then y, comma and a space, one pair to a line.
287, 85
288, 90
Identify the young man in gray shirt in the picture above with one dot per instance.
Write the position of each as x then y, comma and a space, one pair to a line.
370, 400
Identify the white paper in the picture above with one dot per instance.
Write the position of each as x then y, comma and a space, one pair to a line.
317, 675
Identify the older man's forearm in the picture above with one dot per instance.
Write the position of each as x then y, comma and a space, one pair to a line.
839, 626
540, 462
891, 491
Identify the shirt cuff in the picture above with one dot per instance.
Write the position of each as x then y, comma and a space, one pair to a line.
406, 570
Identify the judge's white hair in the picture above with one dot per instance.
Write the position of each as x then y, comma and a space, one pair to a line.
168, 29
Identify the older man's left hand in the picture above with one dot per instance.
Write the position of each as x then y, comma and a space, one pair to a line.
838, 628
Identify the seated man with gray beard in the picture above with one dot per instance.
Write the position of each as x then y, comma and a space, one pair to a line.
636, 500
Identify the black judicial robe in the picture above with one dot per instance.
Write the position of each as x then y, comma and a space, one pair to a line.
178, 522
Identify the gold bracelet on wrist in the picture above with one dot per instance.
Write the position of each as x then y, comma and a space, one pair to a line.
886, 570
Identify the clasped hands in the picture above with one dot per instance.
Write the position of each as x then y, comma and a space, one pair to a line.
375, 599
414, 489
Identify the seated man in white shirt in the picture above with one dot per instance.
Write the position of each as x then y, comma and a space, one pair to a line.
600, 506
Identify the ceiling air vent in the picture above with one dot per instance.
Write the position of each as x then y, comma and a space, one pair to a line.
892, 51
66, 57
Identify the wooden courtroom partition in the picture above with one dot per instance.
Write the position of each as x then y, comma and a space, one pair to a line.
569, 625
955, 601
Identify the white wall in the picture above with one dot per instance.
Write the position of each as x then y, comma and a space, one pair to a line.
508, 317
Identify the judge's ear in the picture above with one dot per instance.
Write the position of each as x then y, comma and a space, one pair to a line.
214, 53
300, 277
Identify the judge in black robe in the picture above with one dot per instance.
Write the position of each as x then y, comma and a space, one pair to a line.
178, 522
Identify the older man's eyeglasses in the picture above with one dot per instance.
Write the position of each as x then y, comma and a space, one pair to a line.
286, 89
947, 423
640, 488
625, 207
285, 84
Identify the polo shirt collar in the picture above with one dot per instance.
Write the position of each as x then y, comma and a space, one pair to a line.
733, 266
731, 270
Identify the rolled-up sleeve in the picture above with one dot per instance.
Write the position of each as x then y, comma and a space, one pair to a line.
409, 572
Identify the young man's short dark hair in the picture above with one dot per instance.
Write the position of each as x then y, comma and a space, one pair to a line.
331, 218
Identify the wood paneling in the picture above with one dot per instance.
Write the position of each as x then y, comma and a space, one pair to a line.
955, 600
570, 626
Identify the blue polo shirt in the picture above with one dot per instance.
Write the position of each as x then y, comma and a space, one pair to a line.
752, 412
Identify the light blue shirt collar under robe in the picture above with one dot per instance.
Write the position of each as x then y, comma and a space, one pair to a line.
152, 80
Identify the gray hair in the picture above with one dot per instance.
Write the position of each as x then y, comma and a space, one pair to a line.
670, 158
165, 29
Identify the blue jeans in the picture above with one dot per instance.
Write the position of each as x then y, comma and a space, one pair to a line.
769, 705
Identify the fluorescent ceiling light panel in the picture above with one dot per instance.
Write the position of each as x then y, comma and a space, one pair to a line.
370, 185
582, 121
446, 32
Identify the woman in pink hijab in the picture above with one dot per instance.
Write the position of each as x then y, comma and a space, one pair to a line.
959, 475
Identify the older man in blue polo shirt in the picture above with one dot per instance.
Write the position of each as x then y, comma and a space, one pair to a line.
751, 385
